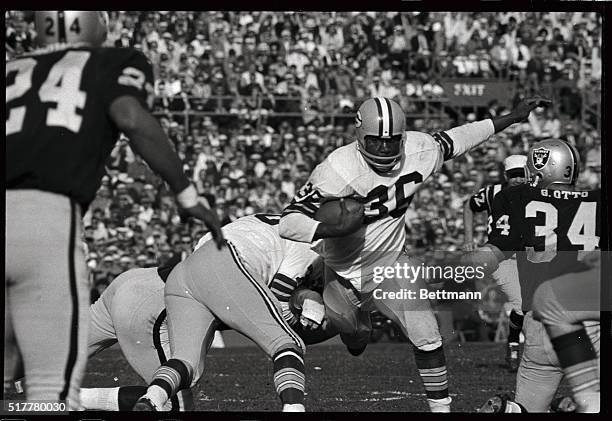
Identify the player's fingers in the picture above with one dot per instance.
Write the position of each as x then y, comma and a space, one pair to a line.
543, 102
219, 239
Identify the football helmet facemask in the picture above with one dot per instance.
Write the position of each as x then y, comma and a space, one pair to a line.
551, 162
71, 27
381, 132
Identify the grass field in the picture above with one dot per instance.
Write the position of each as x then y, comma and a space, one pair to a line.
384, 378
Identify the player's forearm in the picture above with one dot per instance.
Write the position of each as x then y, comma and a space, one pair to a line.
148, 139
468, 223
503, 121
463, 138
298, 227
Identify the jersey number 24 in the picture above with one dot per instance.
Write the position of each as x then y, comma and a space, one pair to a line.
61, 87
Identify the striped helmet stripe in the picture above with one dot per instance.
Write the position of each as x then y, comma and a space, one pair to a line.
384, 114
61, 26
380, 116
390, 117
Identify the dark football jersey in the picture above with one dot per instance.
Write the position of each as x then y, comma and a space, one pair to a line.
483, 200
547, 229
58, 130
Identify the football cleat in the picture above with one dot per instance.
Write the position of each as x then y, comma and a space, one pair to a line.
512, 357
144, 404
494, 405
563, 404
501, 404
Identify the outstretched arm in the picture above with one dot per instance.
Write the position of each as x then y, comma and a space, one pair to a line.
458, 140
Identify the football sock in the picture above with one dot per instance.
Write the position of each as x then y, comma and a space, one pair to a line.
579, 361
515, 326
104, 399
169, 378
289, 378
432, 369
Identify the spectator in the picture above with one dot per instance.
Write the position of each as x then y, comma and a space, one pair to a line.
242, 69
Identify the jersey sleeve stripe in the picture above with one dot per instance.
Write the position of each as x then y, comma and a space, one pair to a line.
280, 295
278, 287
300, 208
444, 144
451, 144
285, 279
488, 198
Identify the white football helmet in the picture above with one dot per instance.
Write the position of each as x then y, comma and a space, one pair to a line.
381, 122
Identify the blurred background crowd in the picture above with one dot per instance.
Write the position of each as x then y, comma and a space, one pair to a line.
254, 100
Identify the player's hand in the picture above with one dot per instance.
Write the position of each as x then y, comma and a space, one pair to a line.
309, 324
350, 220
209, 217
468, 246
522, 110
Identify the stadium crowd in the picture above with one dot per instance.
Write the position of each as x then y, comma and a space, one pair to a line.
236, 75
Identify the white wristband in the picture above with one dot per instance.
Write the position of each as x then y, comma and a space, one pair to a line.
188, 198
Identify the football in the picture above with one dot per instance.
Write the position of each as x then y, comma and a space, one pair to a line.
330, 212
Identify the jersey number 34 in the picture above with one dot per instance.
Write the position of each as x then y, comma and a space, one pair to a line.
581, 232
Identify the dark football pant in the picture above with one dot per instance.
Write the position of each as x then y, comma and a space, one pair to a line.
212, 286
47, 295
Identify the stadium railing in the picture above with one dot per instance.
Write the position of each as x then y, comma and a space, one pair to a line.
426, 108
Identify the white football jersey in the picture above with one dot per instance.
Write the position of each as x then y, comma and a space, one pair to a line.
263, 251
385, 197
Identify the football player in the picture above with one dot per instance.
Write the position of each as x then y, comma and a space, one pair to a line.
383, 169
131, 312
65, 106
550, 225
506, 276
237, 286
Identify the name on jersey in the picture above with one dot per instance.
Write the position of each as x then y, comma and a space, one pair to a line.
563, 194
